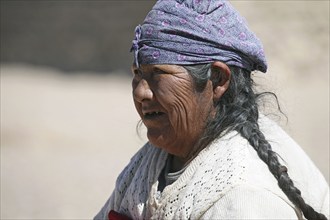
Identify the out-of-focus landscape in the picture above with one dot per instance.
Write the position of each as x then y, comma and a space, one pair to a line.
68, 123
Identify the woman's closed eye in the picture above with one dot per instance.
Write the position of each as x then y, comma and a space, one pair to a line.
157, 71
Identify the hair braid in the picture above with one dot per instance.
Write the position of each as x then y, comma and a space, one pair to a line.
238, 110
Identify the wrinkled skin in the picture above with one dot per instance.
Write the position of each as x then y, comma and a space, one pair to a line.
169, 89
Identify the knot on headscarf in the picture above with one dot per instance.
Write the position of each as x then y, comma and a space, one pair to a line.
186, 32
135, 44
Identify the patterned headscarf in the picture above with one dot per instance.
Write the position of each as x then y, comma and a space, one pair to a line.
187, 32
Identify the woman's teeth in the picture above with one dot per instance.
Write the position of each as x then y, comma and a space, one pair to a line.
151, 114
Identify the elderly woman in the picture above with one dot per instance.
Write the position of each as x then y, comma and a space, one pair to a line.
211, 154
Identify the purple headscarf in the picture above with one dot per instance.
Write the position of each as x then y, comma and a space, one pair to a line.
187, 32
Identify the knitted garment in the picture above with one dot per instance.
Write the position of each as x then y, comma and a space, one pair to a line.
227, 180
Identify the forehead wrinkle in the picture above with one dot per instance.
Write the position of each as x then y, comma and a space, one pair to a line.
167, 68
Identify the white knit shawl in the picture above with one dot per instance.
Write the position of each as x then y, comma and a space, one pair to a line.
214, 171
229, 162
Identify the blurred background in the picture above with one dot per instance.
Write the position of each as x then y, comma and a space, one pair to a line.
68, 123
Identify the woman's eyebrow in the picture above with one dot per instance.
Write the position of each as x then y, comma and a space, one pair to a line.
168, 70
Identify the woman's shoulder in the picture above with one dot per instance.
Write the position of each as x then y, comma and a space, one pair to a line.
235, 151
301, 169
291, 154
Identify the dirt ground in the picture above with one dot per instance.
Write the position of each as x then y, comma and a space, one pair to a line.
65, 138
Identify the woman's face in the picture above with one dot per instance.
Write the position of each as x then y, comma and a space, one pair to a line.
173, 112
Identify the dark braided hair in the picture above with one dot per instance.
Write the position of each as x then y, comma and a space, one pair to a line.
238, 110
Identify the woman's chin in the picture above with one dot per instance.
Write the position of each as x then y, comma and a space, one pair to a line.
160, 139
156, 137
166, 143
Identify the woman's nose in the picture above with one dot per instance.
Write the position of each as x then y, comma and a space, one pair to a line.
142, 91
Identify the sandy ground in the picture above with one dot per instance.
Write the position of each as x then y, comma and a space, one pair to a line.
65, 138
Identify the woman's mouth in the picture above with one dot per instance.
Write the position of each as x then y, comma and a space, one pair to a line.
152, 115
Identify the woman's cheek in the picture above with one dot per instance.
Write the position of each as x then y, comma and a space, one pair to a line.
179, 115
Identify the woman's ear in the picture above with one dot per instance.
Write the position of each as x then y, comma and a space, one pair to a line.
220, 77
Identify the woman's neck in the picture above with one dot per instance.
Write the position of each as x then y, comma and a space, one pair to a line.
176, 163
